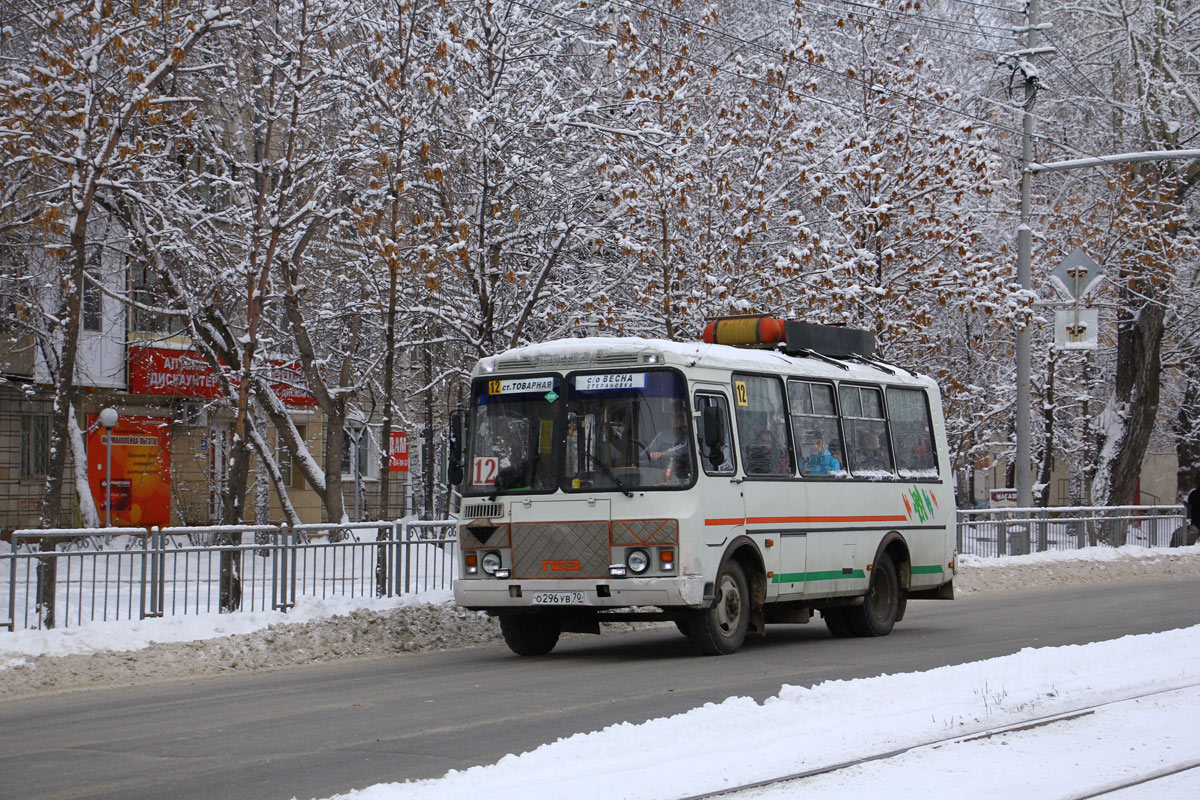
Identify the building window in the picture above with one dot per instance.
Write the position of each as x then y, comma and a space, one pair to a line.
293, 477
35, 445
147, 293
357, 446
93, 302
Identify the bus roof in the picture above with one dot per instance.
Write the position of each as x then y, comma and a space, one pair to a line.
600, 352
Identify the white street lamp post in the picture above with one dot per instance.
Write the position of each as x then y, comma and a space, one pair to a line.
108, 418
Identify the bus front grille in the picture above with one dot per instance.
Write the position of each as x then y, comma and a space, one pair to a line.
482, 511
560, 550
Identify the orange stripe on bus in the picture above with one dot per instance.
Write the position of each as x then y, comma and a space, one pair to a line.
794, 520
862, 518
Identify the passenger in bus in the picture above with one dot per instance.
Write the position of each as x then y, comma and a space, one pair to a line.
766, 456
835, 449
821, 461
922, 454
872, 452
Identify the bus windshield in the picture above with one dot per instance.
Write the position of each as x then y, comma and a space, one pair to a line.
623, 431
513, 431
628, 430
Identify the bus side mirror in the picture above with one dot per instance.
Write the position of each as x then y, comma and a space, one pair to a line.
714, 434
454, 436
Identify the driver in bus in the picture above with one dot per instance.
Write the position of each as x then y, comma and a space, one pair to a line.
670, 444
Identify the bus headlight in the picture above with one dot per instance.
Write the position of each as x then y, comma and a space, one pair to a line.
490, 562
638, 561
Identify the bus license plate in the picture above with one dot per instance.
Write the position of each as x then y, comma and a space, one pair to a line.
558, 598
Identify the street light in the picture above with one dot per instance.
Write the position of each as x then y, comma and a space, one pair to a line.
108, 418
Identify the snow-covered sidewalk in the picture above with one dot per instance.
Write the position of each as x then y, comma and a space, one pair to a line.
740, 741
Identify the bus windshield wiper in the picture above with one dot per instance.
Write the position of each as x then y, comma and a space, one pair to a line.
609, 473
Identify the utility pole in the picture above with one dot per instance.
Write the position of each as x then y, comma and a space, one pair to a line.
1024, 466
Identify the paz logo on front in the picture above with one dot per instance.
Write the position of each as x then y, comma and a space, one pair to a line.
552, 565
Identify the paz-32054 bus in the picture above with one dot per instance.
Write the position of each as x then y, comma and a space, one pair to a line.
773, 470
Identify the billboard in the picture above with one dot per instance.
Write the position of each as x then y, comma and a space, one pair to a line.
141, 469
185, 373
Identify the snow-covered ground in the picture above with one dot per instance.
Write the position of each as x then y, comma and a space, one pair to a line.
1148, 682
741, 741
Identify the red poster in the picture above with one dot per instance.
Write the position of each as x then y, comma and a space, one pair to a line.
141, 470
398, 452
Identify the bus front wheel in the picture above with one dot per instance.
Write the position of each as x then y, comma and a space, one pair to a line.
881, 605
530, 634
721, 629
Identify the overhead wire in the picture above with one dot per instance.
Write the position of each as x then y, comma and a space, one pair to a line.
918, 20
988, 6
958, 48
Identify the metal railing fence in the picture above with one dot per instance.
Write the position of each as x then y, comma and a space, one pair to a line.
134, 573
1020, 531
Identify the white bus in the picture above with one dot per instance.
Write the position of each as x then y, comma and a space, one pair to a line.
720, 486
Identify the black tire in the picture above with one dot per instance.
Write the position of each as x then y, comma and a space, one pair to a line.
683, 626
530, 634
721, 629
836, 622
881, 604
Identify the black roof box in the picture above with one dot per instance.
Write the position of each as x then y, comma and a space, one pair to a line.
834, 342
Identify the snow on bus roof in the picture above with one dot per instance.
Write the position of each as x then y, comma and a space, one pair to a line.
590, 349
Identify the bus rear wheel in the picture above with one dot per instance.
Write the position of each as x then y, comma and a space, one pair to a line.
836, 622
721, 629
530, 634
881, 605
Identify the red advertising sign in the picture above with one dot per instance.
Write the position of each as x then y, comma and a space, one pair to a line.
184, 373
398, 452
179, 373
141, 469
287, 381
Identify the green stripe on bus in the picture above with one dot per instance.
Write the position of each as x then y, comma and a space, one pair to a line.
833, 575
804, 577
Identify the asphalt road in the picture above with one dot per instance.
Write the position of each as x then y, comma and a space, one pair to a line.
317, 731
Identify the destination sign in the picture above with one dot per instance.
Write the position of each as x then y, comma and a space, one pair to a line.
521, 385
623, 380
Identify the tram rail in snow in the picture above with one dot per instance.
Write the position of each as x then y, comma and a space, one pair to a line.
1142, 778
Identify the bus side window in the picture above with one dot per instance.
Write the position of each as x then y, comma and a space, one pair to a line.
908, 412
867, 445
818, 439
762, 426
718, 460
